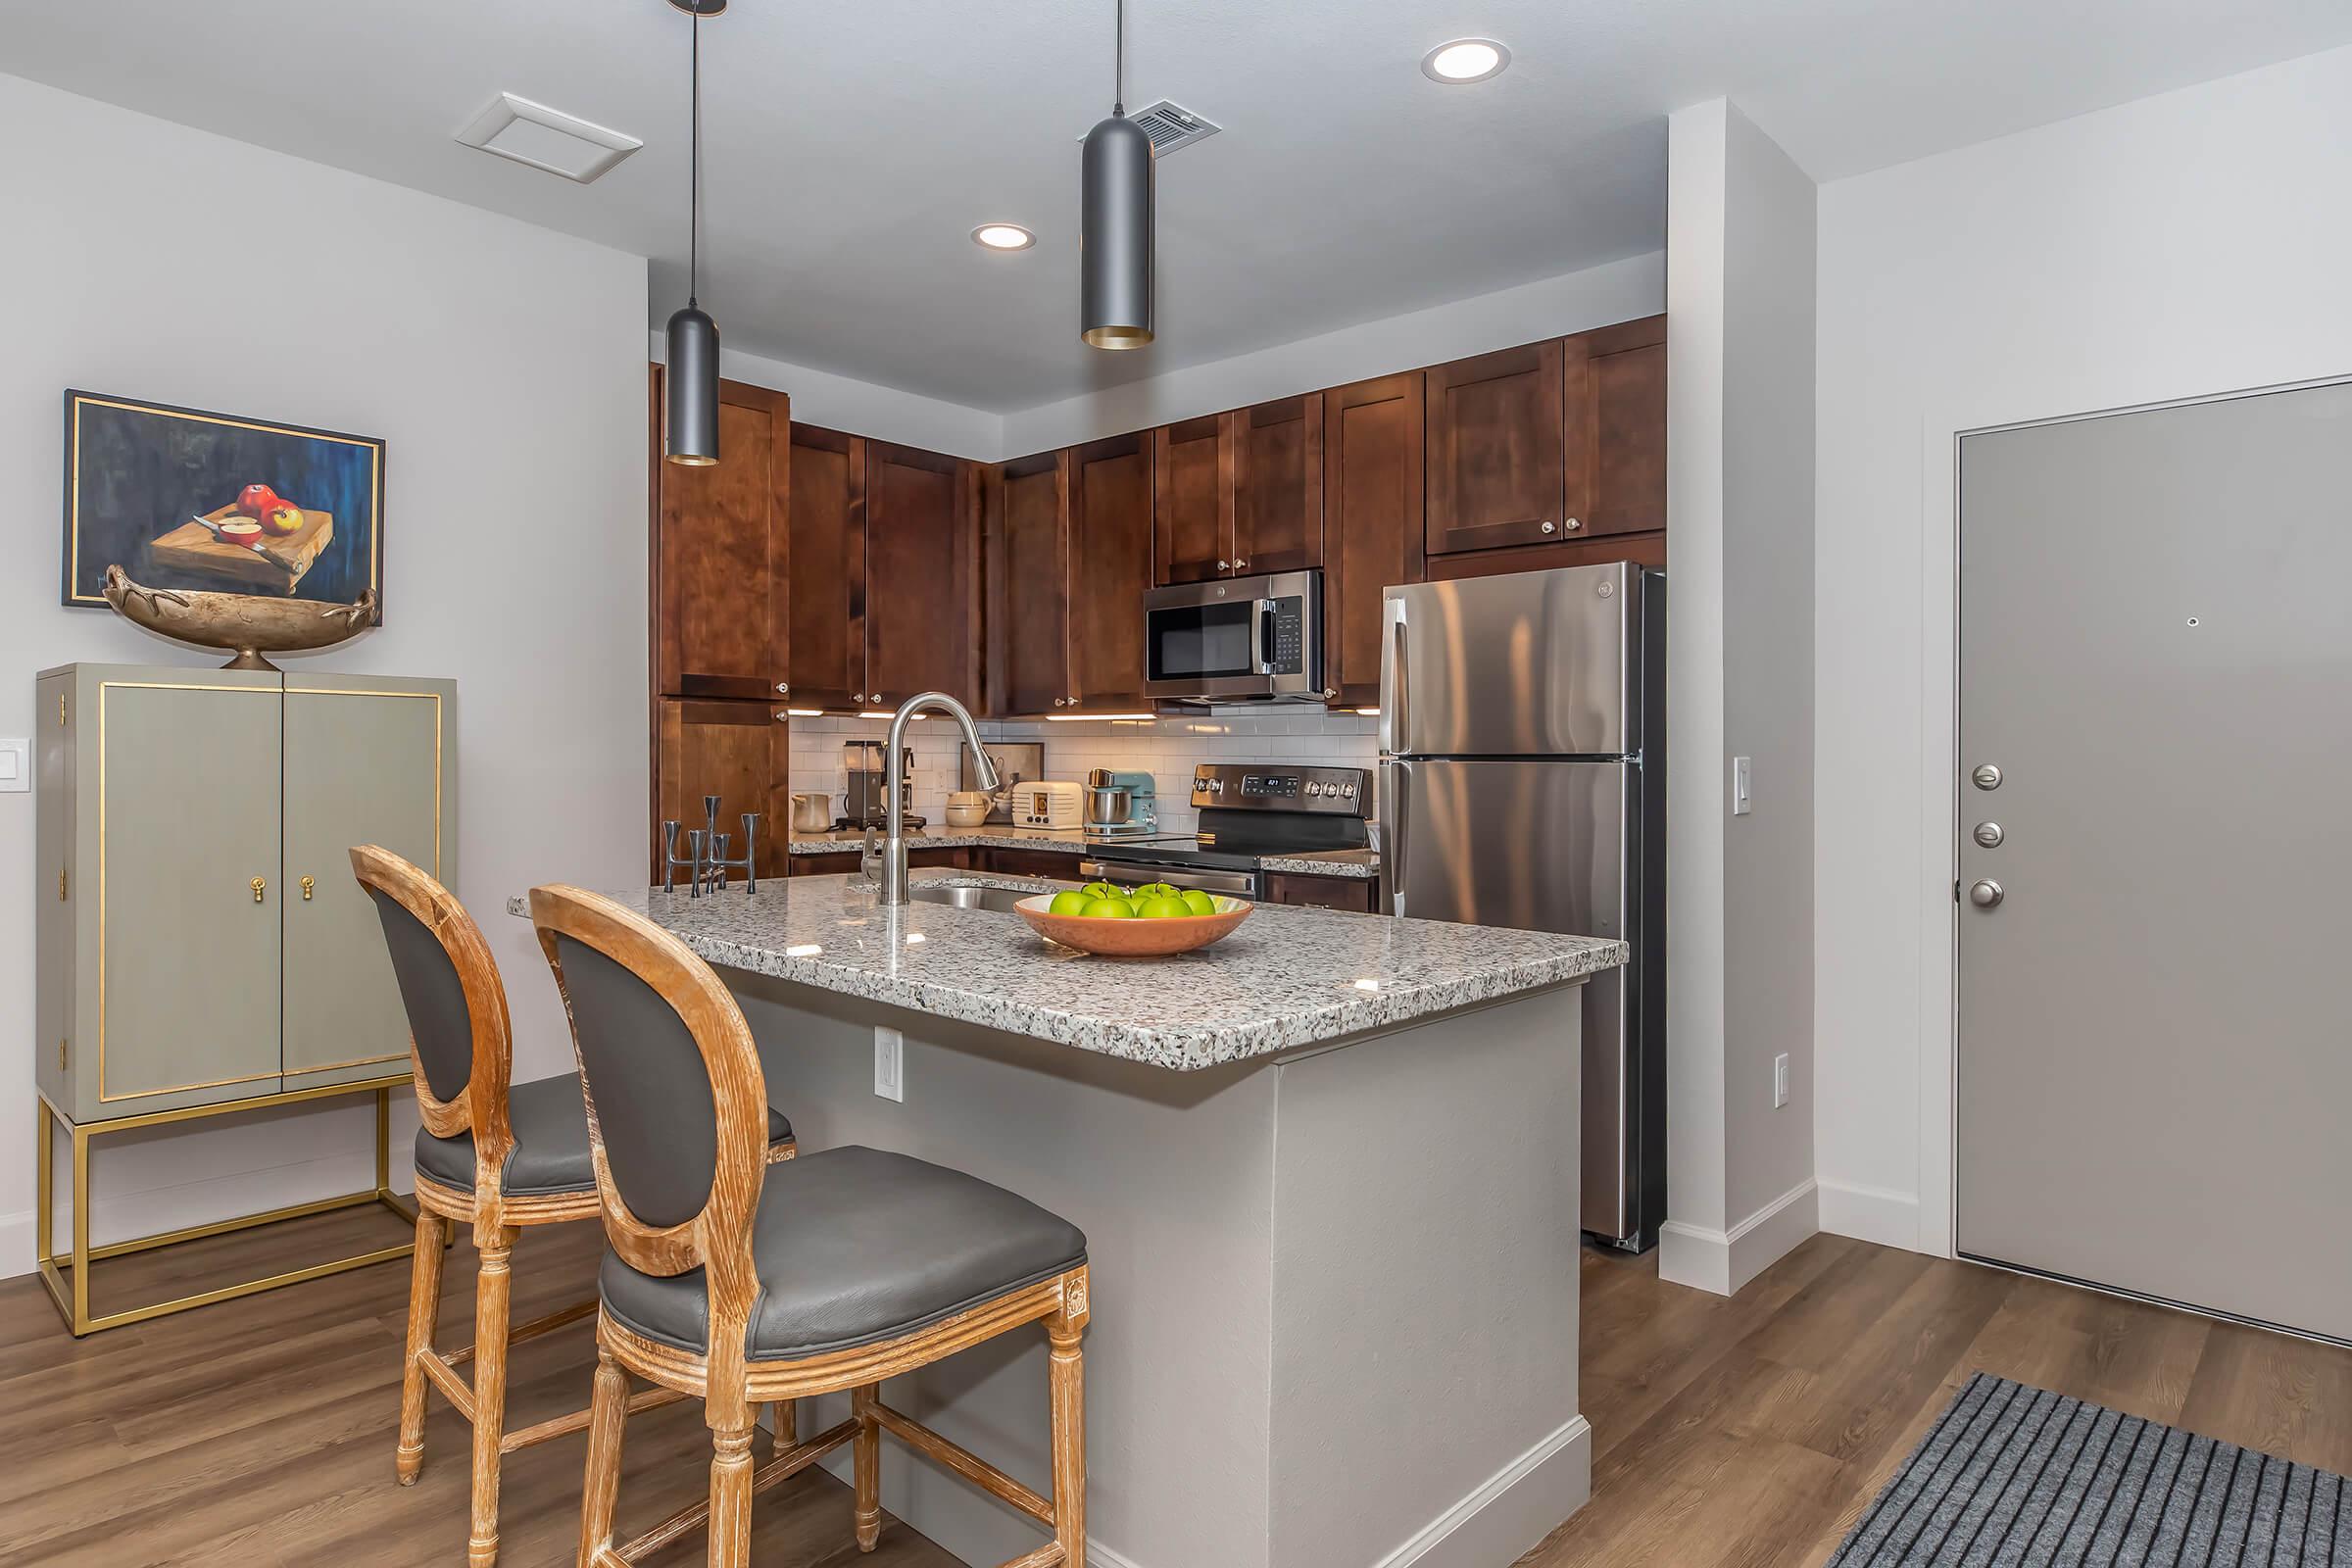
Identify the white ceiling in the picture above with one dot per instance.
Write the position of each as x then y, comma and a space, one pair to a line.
851, 145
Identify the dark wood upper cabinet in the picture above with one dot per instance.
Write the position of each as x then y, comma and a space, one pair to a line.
1495, 450
827, 663
1191, 506
1372, 456
1616, 429
919, 575
1027, 505
736, 749
722, 554
1277, 485
1111, 569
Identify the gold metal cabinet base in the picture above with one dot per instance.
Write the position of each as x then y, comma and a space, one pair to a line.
72, 1297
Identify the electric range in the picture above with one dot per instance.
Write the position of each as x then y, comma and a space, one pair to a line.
1249, 812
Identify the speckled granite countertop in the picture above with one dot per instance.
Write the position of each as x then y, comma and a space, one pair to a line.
1360, 863
1286, 977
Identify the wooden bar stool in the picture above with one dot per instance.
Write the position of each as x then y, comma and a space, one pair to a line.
495, 1153
747, 1284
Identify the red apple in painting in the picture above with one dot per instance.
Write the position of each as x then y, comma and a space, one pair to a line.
282, 519
241, 531
256, 500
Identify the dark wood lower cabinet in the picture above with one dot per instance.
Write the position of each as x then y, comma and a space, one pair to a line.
738, 751
1062, 863
1359, 895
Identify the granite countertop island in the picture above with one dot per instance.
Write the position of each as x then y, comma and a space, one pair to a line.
1286, 977
1328, 1172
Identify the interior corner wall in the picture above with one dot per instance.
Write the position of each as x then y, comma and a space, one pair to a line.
1740, 269
864, 407
505, 366
2173, 247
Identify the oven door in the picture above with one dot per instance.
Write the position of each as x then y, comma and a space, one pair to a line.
1242, 639
1239, 884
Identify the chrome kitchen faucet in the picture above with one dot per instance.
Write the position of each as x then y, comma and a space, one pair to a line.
887, 870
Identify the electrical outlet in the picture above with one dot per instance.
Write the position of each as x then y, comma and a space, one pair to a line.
890, 1064
1741, 801
1780, 1080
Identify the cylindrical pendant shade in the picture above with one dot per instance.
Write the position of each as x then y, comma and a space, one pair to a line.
691, 381
1114, 255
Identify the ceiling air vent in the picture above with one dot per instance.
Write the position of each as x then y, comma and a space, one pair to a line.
545, 139
1172, 126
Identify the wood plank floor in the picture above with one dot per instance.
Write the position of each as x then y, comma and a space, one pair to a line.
1749, 1431
1754, 1430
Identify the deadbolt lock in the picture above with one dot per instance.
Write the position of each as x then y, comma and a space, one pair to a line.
1985, 777
1988, 835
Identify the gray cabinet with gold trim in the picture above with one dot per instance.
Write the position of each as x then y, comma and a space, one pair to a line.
200, 936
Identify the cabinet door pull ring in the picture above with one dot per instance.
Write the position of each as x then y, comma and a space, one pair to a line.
258, 886
308, 884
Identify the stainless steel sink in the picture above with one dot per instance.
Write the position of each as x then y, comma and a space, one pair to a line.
1000, 900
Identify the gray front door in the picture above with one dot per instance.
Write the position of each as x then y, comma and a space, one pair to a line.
2155, 1042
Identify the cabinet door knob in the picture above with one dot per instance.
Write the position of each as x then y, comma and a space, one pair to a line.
1549, 528
782, 716
1222, 567
1575, 524
1061, 702
1241, 565
259, 884
308, 885
783, 688
858, 698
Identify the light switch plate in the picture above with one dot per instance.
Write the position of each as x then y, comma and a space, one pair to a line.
1780, 1080
890, 1064
1741, 801
16, 764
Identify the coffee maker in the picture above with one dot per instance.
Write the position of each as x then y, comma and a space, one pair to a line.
864, 772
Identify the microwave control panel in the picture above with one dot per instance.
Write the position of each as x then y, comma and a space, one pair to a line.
1287, 650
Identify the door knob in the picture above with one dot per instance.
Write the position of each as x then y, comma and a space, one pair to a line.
1985, 777
308, 885
1988, 835
1985, 893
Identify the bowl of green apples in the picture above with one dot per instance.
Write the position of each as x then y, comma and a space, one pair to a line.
1151, 921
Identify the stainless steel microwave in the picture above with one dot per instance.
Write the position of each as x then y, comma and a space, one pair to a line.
1236, 640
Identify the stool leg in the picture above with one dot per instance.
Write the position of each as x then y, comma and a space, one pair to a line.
866, 1463
607, 1414
788, 1423
730, 1497
496, 1244
1067, 1382
424, 1305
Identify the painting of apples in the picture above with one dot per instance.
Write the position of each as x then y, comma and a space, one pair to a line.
191, 500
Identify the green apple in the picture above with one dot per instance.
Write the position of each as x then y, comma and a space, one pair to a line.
1197, 902
1167, 906
1154, 890
1108, 909
1103, 890
1071, 902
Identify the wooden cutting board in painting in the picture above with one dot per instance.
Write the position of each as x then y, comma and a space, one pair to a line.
275, 569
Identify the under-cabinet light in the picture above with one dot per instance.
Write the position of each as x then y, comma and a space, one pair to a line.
806, 713
1085, 718
1369, 713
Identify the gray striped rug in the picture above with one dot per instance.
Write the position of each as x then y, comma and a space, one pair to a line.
2018, 1476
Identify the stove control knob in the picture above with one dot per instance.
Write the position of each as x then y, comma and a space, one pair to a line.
1347, 790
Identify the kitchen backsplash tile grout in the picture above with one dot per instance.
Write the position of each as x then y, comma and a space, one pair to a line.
1167, 749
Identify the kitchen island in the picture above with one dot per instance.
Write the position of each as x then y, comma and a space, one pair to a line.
1326, 1170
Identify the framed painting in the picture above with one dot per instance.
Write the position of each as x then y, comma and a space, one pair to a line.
181, 497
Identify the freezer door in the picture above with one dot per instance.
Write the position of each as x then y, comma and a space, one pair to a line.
1537, 663
1534, 847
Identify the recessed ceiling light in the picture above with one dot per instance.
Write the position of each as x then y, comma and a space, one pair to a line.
1465, 59
1003, 238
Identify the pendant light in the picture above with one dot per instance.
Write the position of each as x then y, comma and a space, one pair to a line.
1115, 248
690, 379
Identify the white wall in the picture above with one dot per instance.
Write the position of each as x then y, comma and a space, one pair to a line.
1740, 287
2180, 245
862, 407
505, 366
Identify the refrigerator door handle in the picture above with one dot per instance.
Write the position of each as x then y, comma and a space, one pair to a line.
1392, 833
1393, 707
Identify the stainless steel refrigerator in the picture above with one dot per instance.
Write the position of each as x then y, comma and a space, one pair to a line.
1523, 784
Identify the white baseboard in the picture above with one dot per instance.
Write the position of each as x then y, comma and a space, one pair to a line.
1721, 1261
1870, 1214
1509, 1511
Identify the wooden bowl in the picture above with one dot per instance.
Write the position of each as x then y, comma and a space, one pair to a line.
1134, 939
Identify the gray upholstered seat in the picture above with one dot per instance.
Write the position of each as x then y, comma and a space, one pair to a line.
855, 1244
550, 1122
